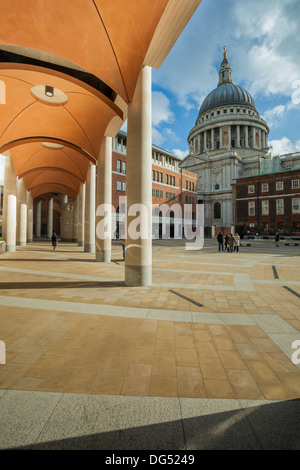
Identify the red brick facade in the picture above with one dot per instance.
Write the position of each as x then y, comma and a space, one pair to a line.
267, 203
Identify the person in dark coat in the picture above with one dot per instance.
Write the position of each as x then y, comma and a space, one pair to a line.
226, 243
54, 240
277, 238
220, 241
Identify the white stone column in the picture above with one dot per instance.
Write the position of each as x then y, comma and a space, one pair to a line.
238, 136
81, 210
21, 212
205, 141
138, 257
212, 138
253, 137
90, 210
10, 205
76, 217
221, 137
38, 220
199, 143
104, 199
29, 217
246, 137
259, 139
49, 218
229, 135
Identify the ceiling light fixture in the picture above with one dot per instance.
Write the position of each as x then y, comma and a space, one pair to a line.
49, 91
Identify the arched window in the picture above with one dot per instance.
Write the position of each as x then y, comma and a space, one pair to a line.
217, 210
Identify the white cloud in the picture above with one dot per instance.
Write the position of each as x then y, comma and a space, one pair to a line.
274, 116
161, 110
180, 153
284, 145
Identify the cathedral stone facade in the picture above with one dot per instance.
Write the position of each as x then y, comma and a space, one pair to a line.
228, 141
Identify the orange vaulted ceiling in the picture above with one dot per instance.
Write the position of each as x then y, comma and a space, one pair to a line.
108, 39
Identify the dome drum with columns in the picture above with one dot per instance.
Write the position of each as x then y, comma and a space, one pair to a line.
228, 141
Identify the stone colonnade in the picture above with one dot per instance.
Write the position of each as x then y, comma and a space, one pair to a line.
93, 203
237, 135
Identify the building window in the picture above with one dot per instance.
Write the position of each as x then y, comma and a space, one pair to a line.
251, 189
153, 192
124, 168
119, 164
279, 206
265, 207
173, 180
295, 184
251, 208
157, 176
193, 187
167, 179
296, 206
124, 187
296, 226
119, 186
157, 192
217, 210
161, 194
279, 185
264, 187
153, 175
161, 177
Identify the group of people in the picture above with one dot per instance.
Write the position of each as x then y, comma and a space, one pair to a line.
229, 243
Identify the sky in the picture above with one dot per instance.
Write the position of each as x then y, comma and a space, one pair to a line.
262, 38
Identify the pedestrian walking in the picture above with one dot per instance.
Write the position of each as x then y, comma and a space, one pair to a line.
54, 240
236, 243
220, 241
231, 242
277, 238
123, 248
226, 243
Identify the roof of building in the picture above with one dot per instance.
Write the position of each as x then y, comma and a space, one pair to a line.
226, 93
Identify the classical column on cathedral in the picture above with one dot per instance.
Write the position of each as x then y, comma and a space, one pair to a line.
238, 136
50, 218
205, 141
199, 143
21, 236
29, 217
221, 136
229, 135
104, 201
81, 208
246, 136
138, 257
10, 204
212, 143
253, 130
90, 210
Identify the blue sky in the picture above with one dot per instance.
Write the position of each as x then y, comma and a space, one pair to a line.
263, 43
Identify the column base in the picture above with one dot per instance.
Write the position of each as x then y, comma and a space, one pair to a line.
138, 275
29, 240
80, 243
89, 248
103, 256
21, 243
10, 247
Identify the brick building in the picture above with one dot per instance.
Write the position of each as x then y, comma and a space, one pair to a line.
171, 185
267, 203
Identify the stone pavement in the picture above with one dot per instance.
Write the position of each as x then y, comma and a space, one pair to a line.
202, 359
